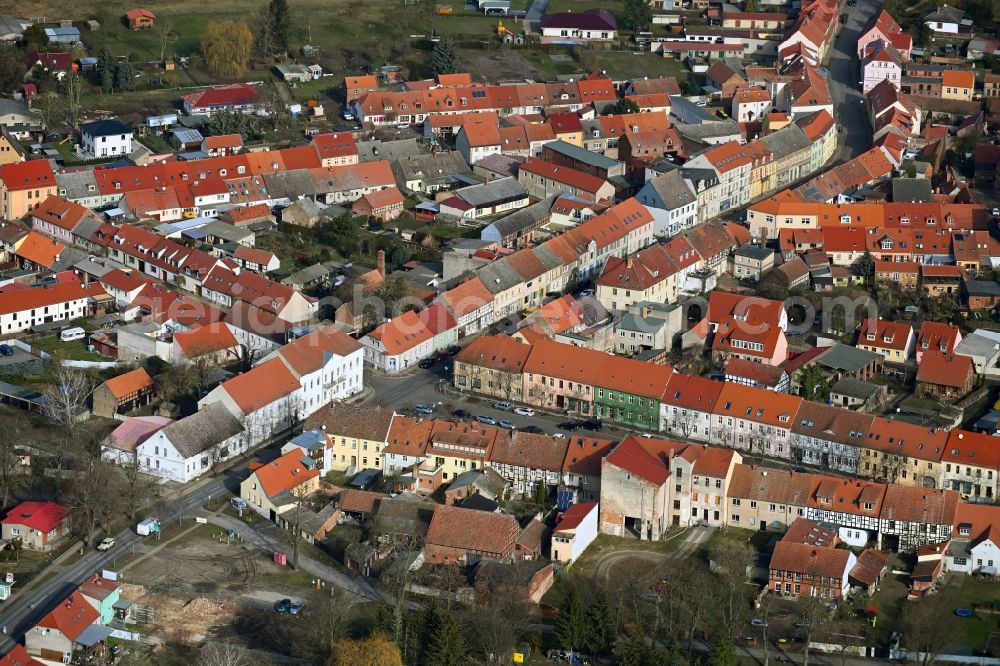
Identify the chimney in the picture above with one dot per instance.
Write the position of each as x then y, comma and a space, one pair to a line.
381, 262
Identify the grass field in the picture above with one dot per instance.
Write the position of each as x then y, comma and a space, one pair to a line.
74, 351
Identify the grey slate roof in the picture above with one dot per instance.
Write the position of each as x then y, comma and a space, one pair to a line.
787, 141
687, 111
855, 388
373, 151
757, 252
77, 184
499, 276
709, 130
911, 190
290, 184
485, 194
525, 217
108, 127
983, 288
583, 155
547, 257
433, 168
672, 190
202, 430
845, 357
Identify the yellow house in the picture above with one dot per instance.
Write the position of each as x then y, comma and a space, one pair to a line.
460, 447
957, 84
279, 485
567, 127
24, 186
355, 434
10, 149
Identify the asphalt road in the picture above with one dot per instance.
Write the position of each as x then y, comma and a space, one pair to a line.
843, 75
23, 610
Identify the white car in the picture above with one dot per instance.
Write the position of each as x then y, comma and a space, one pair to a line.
503, 406
524, 411
107, 544
559, 435
402, 126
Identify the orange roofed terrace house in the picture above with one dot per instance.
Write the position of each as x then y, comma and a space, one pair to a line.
398, 344
277, 486
895, 341
68, 629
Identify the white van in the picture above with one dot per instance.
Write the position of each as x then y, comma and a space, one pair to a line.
148, 526
70, 334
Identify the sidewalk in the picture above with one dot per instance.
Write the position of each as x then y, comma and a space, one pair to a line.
269, 537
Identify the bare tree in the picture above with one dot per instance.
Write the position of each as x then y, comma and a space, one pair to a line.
758, 442
325, 623
223, 654
13, 432
812, 613
66, 398
300, 493
684, 423
138, 486
729, 564
500, 621
93, 497
928, 625
764, 612
164, 33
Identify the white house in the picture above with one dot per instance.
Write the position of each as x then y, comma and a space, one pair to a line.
881, 63
105, 138
478, 139
945, 20
21, 309
672, 203
398, 344
328, 363
471, 304
590, 25
186, 449
751, 104
574, 532
267, 400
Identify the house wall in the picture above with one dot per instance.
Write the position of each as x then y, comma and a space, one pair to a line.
15, 204
567, 547
107, 146
14, 322
49, 644
626, 496
805, 583
33, 539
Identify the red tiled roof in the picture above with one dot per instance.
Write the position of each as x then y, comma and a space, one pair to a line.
71, 617
498, 352
634, 458
402, 333
35, 297
571, 518
472, 530
30, 175
944, 369
810, 560
41, 516
584, 182
231, 94
887, 334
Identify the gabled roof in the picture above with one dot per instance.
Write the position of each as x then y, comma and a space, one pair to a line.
951, 370
531, 451
498, 352
284, 473
810, 560
402, 333
475, 531
202, 430
632, 456
41, 516
18, 656
313, 351
885, 334
71, 617
467, 297
131, 382
208, 339
260, 386
342, 419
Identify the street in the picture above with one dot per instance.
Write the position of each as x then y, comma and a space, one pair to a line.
24, 609
843, 76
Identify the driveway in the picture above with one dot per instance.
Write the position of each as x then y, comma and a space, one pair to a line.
843, 75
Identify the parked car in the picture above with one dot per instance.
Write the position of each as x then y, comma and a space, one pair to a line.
533, 429
6, 350
524, 411
441, 356
504, 423
295, 607
559, 435
454, 350
486, 420
425, 363
403, 126
461, 414
569, 426
503, 406
107, 544
282, 605
592, 424
424, 409
758, 622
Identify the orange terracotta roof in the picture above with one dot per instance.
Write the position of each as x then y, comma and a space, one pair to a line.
906, 439
71, 617
207, 339
311, 352
402, 333
958, 78
126, 384
38, 249
884, 334
284, 473
261, 385
758, 405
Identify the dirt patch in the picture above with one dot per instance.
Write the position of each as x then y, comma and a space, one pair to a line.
193, 585
499, 65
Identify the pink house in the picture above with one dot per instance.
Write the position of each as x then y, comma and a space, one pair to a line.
882, 27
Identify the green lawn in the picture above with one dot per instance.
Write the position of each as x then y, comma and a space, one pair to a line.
74, 351
555, 6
